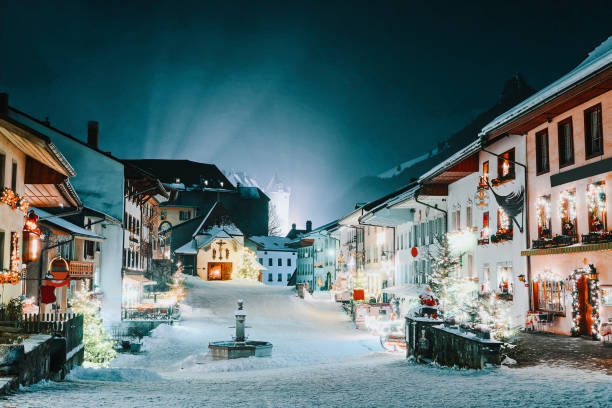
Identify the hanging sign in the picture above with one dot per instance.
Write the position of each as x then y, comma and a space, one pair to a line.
59, 273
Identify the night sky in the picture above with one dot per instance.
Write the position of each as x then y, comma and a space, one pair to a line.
322, 95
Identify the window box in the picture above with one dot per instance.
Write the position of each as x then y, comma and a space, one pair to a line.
483, 241
597, 237
503, 179
554, 242
501, 237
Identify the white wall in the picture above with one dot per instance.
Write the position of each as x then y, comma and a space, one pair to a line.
110, 271
495, 256
285, 270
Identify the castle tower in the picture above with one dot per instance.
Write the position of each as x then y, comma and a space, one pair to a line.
280, 196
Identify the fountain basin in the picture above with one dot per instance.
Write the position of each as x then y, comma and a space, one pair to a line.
226, 350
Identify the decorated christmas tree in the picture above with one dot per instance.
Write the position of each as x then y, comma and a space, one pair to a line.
454, 292
177, 285
97, 343
249, 267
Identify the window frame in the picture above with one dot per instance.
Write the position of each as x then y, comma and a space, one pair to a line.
594, 108
511, 155
560, 124
541, 148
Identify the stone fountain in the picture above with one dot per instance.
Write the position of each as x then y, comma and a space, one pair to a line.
240, 347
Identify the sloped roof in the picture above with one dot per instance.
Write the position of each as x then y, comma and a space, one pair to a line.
189, 172
268, 243
599, 59
67, 226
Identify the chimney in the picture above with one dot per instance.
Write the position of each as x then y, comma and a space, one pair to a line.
92, 134
293, 227
308, 226
3, 104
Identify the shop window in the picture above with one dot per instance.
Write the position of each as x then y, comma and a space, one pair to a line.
549, 295
566, 142
596, 201
543, 215
542, 164
567, 212
505, 167
593, 132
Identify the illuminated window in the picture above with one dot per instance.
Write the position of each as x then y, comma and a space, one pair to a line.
504, 222
485, 225
485, 170
596, 201
549, 295
567, 212
543, 214
505, 166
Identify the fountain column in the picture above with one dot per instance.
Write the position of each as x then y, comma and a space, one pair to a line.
240, 322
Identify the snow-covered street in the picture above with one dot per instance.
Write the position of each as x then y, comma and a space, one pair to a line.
319, 359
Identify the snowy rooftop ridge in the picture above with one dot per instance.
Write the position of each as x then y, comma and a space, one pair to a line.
598, 59
395, 171
272, 243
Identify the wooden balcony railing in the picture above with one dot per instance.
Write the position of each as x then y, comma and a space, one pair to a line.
81, 269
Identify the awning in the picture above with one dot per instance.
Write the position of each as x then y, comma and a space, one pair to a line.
69, 227
604, 246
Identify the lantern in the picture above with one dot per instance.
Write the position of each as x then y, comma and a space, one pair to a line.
31, 223
58, 273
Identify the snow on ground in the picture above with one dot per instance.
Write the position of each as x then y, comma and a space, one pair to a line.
319, 359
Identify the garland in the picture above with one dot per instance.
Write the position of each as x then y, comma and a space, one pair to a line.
592, 300
14, 200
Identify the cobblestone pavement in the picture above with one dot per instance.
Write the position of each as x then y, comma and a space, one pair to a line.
557, 350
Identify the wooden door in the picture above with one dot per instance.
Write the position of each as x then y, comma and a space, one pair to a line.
215, 271
226, 270
585, 310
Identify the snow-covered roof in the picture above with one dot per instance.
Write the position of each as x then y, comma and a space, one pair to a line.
269, 243
452, 160
187, 249
599, 59
66, 225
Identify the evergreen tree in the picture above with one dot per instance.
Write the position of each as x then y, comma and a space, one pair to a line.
249, 268
97, 343
177, 286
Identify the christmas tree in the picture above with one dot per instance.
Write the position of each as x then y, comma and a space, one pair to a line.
454, 292
97, 343
177, 286
249, 268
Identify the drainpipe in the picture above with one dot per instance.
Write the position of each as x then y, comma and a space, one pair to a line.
526, 226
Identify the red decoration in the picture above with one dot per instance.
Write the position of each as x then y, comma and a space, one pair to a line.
58, 274
358, 294
414, 252
47, 294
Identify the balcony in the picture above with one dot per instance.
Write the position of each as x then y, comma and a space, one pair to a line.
81, 269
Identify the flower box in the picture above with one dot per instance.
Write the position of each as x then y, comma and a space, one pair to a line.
503, 179
501, 237
554, 242
597, 237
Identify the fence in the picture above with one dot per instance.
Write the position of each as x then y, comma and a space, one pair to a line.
67, 325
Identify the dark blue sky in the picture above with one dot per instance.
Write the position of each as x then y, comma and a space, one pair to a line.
321, 94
